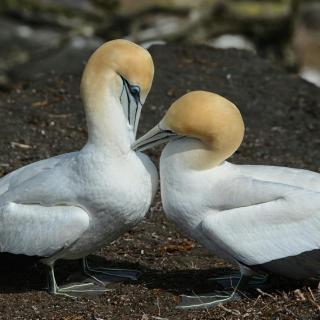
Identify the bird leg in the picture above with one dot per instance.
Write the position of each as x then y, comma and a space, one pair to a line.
227, 281
75, 289
106, 275
215, 298
231, 280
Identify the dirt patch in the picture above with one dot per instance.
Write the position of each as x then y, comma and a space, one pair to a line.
45, 117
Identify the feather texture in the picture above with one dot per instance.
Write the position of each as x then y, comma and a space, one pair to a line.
36, 230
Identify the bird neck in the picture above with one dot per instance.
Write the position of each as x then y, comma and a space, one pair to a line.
192, 154
107, 125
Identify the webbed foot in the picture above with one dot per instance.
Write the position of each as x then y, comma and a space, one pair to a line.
109, 275
231, 281
75, 290
207, 300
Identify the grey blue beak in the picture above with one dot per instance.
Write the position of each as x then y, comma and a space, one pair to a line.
153, 138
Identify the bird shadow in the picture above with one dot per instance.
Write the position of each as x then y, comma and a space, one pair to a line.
202, 282
21, 273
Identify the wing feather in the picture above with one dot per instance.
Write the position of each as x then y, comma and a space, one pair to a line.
255, 234
39, 230
295, 177
20, 175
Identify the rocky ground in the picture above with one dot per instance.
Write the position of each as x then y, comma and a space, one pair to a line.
44, 117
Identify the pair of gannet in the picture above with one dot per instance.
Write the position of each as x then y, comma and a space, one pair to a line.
262, 217
71, 205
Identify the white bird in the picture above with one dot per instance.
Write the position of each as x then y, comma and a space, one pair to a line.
262, 217
71, 205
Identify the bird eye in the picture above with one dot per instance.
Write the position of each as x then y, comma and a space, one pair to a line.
135, 91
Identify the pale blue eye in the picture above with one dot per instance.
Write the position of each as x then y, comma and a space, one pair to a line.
135, 91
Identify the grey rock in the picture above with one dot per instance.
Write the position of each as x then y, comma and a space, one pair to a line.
66, 60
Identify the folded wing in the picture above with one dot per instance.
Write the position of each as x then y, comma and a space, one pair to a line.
39, 230
295, 177
20, 175
287, 225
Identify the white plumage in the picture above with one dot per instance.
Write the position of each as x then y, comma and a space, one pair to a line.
263, 217
234, 210
69, 206
87, 196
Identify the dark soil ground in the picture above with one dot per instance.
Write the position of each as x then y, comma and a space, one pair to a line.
45, 117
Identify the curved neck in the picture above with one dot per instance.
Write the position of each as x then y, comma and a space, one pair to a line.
107, 125
192, 154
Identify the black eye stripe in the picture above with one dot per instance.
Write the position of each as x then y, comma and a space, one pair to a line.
123, 87
128, 98
126, 87
134, 91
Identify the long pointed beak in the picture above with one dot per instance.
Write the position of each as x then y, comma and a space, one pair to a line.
153, 138
135, 112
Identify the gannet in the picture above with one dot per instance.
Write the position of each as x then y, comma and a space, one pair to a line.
69, 206
265, 218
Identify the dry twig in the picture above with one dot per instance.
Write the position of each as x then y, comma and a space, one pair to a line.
20, 145
313, 300
266, 294
234, 312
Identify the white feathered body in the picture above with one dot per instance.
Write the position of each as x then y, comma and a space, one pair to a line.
69, 206
256, 215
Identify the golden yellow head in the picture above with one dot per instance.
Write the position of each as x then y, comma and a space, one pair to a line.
118, 58
119, 73
202, 115
207, 116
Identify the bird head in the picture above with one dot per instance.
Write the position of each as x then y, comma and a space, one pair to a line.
202, 115
123, 70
